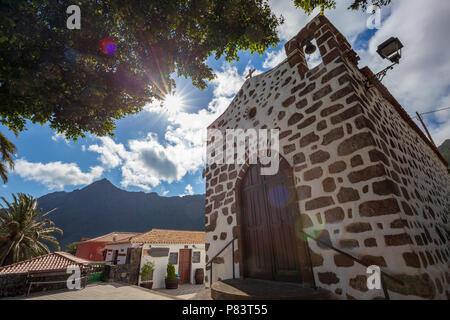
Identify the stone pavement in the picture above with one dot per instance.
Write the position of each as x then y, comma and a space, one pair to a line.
185, 292
99, 291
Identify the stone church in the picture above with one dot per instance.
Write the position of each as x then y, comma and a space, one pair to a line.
358, 184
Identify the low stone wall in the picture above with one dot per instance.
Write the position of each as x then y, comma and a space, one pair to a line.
127, 273
12, 285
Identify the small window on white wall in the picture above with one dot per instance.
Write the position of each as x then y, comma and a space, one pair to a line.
196, 257
173, 258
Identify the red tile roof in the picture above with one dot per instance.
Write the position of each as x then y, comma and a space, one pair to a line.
56, 261
166, 236
110, 237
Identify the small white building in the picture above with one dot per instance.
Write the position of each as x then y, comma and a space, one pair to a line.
184, 249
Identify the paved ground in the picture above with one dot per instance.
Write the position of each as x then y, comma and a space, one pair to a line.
101, 291
185, 292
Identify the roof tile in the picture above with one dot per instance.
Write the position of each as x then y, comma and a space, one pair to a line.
55, 261
166, 236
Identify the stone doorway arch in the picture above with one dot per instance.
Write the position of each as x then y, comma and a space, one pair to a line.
268, 215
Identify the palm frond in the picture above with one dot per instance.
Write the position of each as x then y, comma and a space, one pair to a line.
28, 230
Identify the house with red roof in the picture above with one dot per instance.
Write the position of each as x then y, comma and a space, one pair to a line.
94, 249
184, 249
46, 272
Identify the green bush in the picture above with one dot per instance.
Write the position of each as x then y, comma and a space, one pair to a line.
171, 271
147, 271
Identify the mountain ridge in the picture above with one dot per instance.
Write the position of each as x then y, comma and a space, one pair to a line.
444, 149
101, 207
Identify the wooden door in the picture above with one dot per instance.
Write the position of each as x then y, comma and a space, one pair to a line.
269, 214
184, 266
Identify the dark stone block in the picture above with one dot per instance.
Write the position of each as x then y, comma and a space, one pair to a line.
296, 117
334, 215
347, 195
378, 208
355, 143
333, 135
318, 203
358, 227
313, 174
367, 173
308, 139
397, 239
411, 259
319, 94
328, 277
341, 260
319, 157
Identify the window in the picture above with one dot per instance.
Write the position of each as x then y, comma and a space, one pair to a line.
173, 258
196, 257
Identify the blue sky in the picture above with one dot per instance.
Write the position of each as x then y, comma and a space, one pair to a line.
161, 151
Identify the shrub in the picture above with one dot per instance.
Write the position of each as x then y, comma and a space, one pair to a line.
171, 271
147, 271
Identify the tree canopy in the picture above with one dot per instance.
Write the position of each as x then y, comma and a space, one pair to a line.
7, 150
49, 73
309, 5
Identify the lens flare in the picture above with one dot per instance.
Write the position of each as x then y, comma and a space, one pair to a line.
108, 46
313, 231
279, 196
174, 102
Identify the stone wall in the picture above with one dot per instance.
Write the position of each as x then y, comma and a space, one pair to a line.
12, 285
366, 179
128, 272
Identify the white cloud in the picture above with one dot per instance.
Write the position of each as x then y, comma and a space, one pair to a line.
110, 152
349, 22
274, 58
146, 162
227, 82
56, 175
188, 190
60, 137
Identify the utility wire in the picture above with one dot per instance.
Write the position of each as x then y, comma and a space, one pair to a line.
431, 112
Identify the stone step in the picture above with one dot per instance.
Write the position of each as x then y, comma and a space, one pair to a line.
255, 289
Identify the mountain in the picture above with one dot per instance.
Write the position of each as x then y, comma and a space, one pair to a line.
101, 207
444, 149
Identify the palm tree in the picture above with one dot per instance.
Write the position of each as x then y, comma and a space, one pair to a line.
7, 149
24, 230
72, 248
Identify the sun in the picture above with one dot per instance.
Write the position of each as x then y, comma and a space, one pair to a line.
174, 102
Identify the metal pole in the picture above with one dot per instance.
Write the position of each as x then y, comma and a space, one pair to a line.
232, 253
425, 127
210, 275
385, 290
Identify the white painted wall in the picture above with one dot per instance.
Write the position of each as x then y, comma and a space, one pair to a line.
159, 274
110, 248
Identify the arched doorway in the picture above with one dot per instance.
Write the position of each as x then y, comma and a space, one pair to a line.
269, 213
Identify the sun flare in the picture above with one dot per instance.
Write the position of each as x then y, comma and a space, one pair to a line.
174, 102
